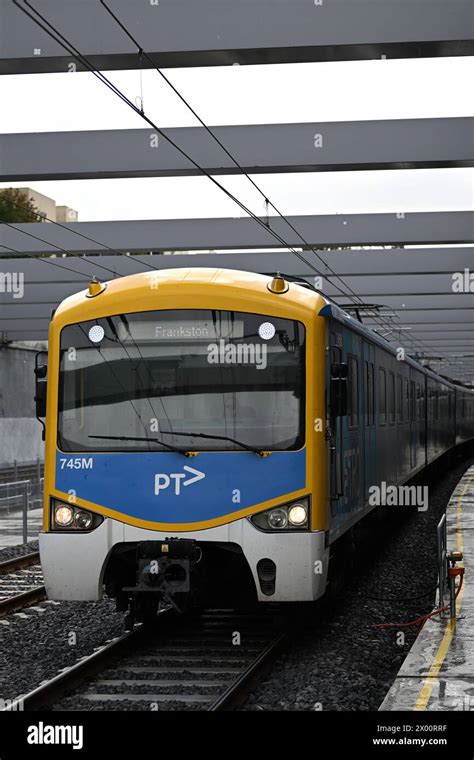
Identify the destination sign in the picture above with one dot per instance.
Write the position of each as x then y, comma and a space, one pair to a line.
181, 331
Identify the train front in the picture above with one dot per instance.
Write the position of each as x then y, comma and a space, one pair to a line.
182, 462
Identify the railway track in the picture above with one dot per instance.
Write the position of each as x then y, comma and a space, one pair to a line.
206, 663
21, 583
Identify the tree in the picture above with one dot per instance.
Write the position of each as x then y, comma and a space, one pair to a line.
16, 207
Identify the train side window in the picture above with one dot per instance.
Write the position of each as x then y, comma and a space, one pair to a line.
353, 399
418, 401
399, 399
422, 402
436, 405
412, 400
382, 396
369, 392
406, 399
391, 398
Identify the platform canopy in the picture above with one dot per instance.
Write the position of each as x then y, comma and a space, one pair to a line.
226, 32
407, 293
260, 148
415, 297
229, 233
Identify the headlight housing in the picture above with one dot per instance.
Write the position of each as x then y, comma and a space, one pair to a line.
69, 517
288, 517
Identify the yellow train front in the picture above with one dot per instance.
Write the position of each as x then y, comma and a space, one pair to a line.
185, 457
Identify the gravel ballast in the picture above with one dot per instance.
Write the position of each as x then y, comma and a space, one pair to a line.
35, 648
18, 550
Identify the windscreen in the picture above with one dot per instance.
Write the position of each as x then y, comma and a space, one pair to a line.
153, 381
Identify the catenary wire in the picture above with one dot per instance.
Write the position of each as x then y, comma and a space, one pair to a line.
67, 45
75, 232
58, 247
46, 260
143, 54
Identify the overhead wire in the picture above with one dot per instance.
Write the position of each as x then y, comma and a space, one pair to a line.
74, 232
55, 34
143, 54
268, 202
67, 45
46, 260
58, 247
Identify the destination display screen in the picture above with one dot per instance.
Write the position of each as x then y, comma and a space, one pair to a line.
181, 330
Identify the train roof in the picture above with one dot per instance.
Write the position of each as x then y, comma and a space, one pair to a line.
335, 311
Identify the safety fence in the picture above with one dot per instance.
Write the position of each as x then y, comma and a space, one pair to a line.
18, 497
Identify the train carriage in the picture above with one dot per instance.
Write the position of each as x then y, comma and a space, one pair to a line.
211, 434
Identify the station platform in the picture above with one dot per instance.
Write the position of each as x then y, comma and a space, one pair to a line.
11, 527
438, 673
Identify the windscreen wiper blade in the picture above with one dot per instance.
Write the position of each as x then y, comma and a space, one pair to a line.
246, 446
145, 440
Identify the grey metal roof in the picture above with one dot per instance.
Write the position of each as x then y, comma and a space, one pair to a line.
449, 227
434, 321
351, 145
241, 32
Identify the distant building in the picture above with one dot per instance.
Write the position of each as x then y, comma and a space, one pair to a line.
47, 207
66, 214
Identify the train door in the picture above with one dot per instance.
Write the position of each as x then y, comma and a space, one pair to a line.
368, 416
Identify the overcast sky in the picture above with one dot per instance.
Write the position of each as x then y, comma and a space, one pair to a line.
336, 91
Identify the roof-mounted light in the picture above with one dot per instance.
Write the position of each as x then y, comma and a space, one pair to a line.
95, 288
278, 284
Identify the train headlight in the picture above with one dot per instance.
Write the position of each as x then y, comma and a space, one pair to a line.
71, 518
298, 515
63, 516
278, 518
83, 520
289, 517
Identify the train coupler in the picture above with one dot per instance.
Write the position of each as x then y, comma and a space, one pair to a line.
165, 572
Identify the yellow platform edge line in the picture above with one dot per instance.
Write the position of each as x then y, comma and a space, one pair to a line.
431, 678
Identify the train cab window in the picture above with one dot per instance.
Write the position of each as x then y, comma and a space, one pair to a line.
353, 396
175, 364
382, 396
406, 400
391, 398
369, 392
399, 399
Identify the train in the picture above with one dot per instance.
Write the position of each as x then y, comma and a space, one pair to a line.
213, 435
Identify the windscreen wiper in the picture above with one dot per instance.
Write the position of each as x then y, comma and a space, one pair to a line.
246, 446
131, 438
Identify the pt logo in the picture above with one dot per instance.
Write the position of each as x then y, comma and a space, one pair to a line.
163, 481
